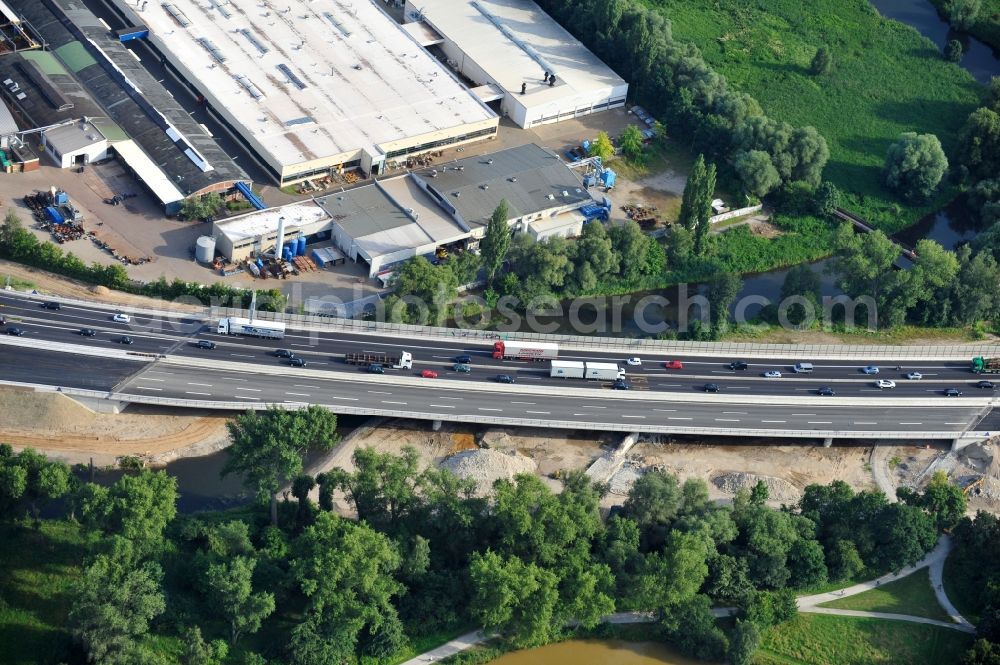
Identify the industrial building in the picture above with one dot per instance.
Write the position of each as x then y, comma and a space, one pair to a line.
392, 220
86, 73
539, 71
314, 87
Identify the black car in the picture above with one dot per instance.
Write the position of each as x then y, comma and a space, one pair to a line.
986, 385
952, 392
826, 391
296, 362
505, 378
126, 340
50, 305
88, 332
284, 353
17, 332
711, 388
205, 344
621, 384
375, 368
738, 365
463, 360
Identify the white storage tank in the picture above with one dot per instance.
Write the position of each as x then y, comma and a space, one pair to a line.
204, 249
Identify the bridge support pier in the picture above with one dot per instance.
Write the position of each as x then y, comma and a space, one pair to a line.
828, 442
958, 444
436, 426
100, 405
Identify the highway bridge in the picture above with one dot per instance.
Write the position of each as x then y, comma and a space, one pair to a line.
164, 365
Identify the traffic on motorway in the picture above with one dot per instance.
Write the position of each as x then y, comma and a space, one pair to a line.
532, 363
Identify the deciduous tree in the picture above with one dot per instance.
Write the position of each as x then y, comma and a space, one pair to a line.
631, 144
914, 165
756, 172
496, 242
230, 583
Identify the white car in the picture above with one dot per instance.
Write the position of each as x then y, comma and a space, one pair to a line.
914, 376
121, 318
871, 369
634, 362
772, 374
885, 383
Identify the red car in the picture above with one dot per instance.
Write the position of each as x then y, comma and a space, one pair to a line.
429, 374
674, 364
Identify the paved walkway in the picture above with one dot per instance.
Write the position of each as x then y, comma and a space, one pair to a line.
933, 560
810, 604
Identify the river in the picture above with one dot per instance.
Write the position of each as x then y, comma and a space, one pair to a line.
598, 652
979, 59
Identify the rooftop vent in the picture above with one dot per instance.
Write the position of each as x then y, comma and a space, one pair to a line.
565, 193
550, 196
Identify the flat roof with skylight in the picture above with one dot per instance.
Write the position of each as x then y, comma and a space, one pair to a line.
310, 84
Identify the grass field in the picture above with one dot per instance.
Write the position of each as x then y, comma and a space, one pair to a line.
39, 567
910, 595
815, 639
887, 79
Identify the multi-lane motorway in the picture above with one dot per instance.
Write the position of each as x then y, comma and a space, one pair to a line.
253, 374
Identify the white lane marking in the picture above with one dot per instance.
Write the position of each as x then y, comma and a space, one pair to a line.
740, 387
242, 397
734, 413
205, 385
666, 410
803, 414
147, 388
385, 401
299, 394
818, 422
452, 398
242, 355
192, 393
148, 379
908, 423
485, 409
541, 412
302, 385
156, 371
525, 403
627, 416
302, 345
727, 420
958, 423
591, 406
864, 422
772, 421
676, 418
581, 414
233, 378
379, 392
442, 406
256, 390
352, 399
669, 385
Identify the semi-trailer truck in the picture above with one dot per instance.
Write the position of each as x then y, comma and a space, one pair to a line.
525, 351
251, 327
398, 360
604, 371
567, 369
982, 365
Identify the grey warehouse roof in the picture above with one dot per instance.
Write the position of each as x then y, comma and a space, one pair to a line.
130, 95
529, 177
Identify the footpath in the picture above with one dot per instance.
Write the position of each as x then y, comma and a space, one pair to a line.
810, 604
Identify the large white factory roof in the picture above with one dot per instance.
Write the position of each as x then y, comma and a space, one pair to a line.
514, 41
310, 79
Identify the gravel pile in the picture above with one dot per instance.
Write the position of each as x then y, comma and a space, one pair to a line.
487, 466
778, 489
623, 479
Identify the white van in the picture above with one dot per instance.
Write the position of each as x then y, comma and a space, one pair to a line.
802, 368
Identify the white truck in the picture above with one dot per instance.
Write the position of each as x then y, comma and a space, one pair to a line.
251, 327
604, 371
395, 360
525, 351
567, 369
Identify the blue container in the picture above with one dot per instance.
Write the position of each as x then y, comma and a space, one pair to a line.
301, 246
62, 198
586, 145
260, 262
286, 254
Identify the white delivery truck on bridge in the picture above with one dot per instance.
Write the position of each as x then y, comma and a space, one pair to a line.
525, 351
251, 327
574, 369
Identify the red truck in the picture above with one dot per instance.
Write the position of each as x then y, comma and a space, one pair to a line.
525, 351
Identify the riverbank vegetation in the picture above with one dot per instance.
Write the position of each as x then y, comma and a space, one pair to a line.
979, 18
119, 577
